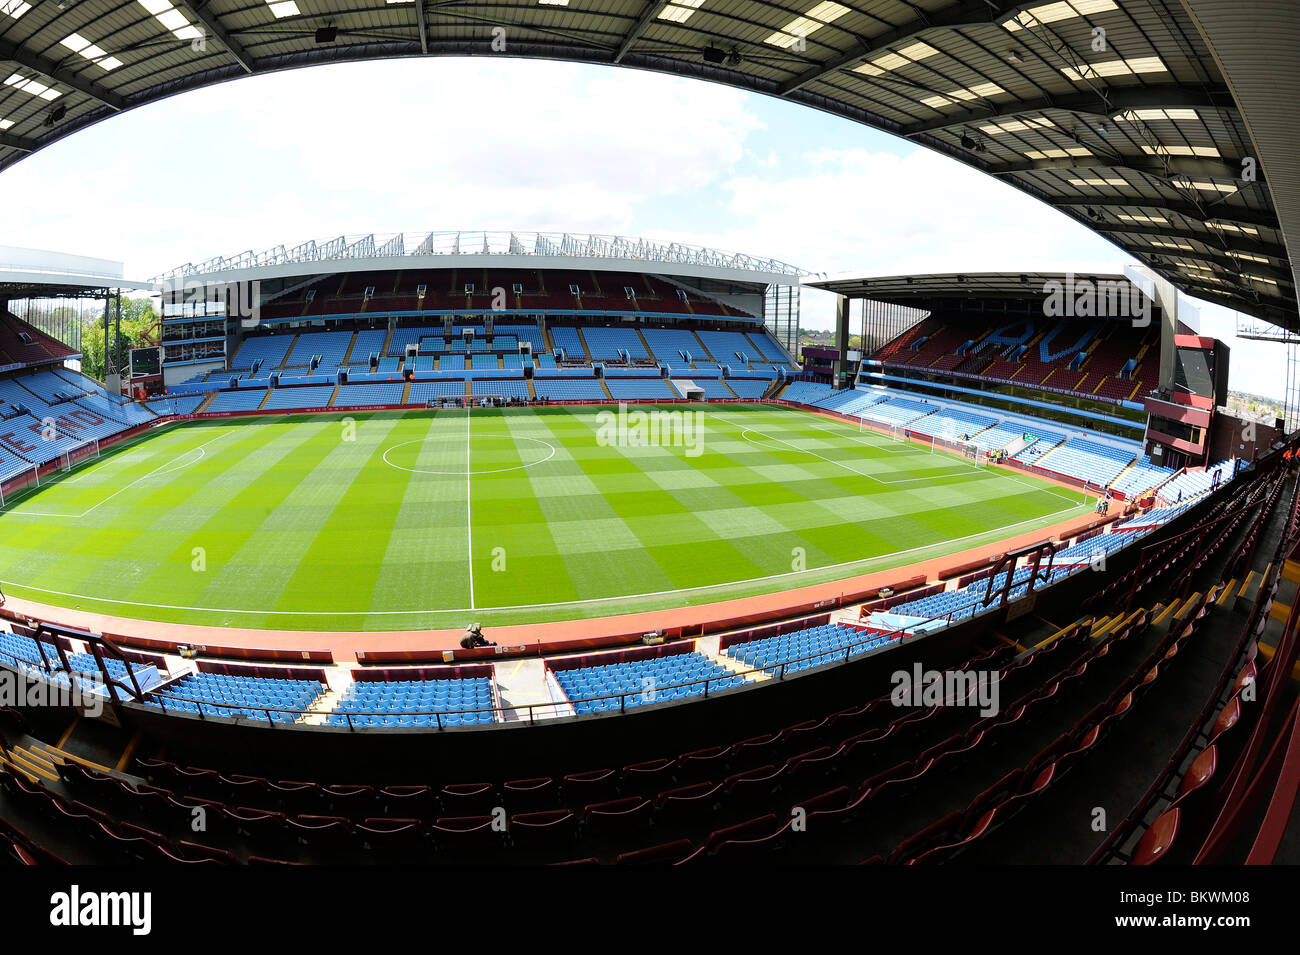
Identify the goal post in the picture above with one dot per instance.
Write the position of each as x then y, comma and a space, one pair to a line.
73, 456
36, 482
468, 401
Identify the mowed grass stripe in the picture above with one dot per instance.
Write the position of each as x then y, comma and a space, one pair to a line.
424, 562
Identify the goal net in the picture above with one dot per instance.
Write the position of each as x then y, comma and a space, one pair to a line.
31, 469
79, 453
470, 401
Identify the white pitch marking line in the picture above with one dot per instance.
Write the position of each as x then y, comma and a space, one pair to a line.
127, 487
469, 507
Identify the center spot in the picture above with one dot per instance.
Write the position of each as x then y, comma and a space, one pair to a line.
487, 454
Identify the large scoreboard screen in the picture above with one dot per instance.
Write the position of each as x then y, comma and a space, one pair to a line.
1195, 371
146, 362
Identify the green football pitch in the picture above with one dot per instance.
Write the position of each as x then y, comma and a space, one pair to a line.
423, 519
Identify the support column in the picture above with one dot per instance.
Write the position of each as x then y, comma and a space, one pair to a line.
113, 345
841, 370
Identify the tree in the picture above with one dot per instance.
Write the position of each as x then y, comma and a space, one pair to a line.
138, 317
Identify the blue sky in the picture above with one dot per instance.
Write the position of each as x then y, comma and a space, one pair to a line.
503, 144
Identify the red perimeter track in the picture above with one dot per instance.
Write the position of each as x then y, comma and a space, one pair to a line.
396, 646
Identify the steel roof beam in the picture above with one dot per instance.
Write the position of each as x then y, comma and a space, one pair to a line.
52, 71
1162, 167
422, 25
17, 142
652, 9
203, 13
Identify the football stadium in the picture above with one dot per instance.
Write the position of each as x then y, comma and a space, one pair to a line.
508, 547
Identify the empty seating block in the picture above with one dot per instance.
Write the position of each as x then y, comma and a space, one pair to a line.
385, 394
310, 396
1089, 461
725, 346
640, 682
368, 342
803, 649
424, 391
753, 388
1141, 477
505, 388
330, 346
270, 350
179, 405
222, 694
569, 389
568, 340
665, 343
765, 345
243, 400
438, 702
641, 389
607, 342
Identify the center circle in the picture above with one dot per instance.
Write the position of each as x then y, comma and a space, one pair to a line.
447, 454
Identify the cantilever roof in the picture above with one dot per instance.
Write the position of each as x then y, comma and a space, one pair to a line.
1144, 140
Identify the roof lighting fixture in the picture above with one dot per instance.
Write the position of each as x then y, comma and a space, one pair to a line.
1204, 185
880, 65
1096, 181
962, 95
1148, 115
1257, 278
172, 19
5, 124
14, 8
1057, 153
1017, 126
33, 87
1162, 150
1172, 244
679, 11
1233, 227
80, 45
825, 12
1054, 12
554, 3
1138, 217
1247, 257
284, 8
1104, 68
